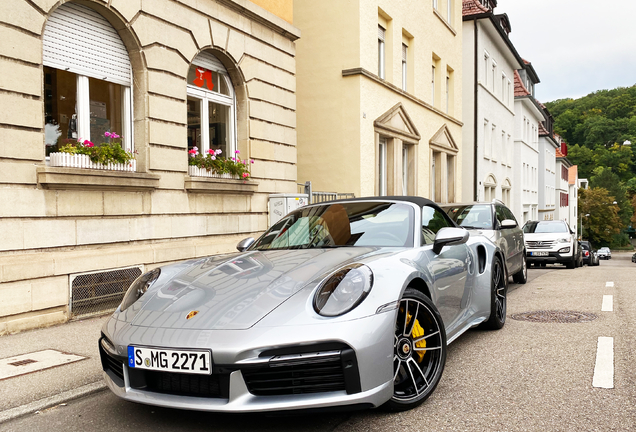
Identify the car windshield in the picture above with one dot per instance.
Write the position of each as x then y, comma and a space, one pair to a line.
471, 216
360, 223
535, 227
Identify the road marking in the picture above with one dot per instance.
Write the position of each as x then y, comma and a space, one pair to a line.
609, 284
608, 303
26, 363
604, 368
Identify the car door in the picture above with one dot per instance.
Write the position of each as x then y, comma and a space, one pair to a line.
506, 239
448, 269
519, 245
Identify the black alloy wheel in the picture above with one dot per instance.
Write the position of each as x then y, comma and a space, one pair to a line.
521, 277
419, 351
498, 301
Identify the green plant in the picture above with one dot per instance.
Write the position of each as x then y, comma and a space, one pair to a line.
104, 153
211, 161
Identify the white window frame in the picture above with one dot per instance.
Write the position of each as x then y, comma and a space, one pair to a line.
382, 169
447, 93
405, 170
435, 5
449, 11
433, 86
206, 96
405, 49
381, 51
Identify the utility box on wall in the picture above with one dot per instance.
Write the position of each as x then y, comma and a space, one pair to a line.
281, 204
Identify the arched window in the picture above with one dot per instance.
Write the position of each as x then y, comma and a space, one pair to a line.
490, 186
211, 106
87, 78
505, 192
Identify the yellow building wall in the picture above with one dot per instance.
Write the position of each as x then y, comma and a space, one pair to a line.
330, 134
281, 8
336, 114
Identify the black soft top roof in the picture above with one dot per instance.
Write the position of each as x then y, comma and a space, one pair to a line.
420, 201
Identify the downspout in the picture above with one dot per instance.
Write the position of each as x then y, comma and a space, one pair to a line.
475, 189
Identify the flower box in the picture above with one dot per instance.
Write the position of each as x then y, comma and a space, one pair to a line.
84, 161
194, 171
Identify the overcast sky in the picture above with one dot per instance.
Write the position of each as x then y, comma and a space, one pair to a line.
576, 46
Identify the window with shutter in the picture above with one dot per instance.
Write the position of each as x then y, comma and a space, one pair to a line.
87, 78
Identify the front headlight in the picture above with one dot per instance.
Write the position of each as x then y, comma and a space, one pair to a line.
564, 240
139, 288
343, 290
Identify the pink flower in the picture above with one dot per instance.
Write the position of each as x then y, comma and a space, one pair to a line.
107, 134
218, 151
87, 143
213, 157
115, 136
234, 159
236, 151
211, 151
252, 161
245, 175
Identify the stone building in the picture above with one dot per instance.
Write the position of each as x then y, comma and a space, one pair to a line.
379, 97
166, 75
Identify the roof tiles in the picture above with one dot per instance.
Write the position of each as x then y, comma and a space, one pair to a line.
520, 89
473, 7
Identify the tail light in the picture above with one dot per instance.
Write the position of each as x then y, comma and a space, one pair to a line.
587, 253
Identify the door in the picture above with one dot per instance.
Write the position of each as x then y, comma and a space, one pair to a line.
449, 269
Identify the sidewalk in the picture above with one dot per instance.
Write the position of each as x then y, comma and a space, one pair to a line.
41, 389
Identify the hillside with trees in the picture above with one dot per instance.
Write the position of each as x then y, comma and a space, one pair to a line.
599, 129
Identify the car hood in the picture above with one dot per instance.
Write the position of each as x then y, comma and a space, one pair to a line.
545, 236
234, 292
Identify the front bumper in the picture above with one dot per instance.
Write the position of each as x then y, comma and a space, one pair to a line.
365, 350
552, 257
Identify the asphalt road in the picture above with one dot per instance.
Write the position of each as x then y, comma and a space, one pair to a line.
526, 377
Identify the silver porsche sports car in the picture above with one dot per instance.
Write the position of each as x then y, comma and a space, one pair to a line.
346, 303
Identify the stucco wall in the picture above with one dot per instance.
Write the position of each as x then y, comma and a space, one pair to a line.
336, 113
57, 222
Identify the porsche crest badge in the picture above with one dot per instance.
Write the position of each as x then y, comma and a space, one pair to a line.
191, 314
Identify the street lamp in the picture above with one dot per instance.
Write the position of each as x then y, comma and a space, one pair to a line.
581, 223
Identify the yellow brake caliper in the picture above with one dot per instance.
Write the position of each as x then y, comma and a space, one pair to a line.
417, 332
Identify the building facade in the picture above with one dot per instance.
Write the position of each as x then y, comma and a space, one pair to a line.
166, 75
547, 170
379, 97
526, 166
490, 62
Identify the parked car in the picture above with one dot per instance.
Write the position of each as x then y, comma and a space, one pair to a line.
347, 303
634, 258
590, 255
495, 221
551, 242
605, 253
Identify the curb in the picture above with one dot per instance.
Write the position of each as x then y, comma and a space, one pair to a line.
42, 404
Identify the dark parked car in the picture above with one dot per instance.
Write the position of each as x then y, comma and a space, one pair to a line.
634, 258
590, 255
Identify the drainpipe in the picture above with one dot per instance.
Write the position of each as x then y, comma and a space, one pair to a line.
475, 114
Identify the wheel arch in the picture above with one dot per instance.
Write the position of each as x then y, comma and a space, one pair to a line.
419, 284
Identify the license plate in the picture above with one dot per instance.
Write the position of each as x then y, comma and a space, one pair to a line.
540, 253
169, 360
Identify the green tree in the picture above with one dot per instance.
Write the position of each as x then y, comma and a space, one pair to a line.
603, 221
604, 178
584, 158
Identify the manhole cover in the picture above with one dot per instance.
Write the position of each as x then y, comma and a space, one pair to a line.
554, 316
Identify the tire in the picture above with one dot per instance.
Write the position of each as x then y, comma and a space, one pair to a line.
498, 296
416, 375
521, 277
571, 264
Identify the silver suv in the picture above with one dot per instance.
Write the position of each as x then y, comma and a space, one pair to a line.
495, 221
551, 242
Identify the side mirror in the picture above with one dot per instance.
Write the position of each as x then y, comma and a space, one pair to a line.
245, 244
508, 223
449, 237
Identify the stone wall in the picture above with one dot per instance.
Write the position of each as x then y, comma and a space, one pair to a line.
55, 222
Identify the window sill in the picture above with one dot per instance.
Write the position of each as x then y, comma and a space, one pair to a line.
446, 23
220, 185
88, 179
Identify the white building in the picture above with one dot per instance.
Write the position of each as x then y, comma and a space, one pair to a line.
562, 184
547, 171
488, 107
528, 117
573, 192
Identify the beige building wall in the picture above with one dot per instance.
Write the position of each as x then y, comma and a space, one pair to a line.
281, 8
341, 96
56, 222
